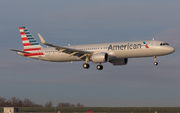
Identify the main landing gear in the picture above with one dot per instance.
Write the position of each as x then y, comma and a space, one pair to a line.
86, 66
155, 63
99, 67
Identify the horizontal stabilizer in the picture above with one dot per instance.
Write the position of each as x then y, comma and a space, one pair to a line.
19, 51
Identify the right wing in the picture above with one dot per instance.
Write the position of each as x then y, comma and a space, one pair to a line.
72, 52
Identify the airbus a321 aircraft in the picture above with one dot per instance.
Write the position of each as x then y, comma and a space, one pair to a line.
116, 53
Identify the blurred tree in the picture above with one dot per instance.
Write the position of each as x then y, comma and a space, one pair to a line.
2, 102
72, 105
79, 105
14, 101
28, 103
20, 104
67, 104
49, 104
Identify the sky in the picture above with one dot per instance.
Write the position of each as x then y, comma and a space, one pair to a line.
76, 22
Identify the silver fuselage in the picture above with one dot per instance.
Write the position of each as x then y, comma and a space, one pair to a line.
117, 50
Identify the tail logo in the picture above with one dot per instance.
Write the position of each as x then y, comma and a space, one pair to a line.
27, 38
29, 43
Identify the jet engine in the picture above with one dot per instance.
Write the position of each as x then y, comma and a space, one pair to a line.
99, 58
120, 61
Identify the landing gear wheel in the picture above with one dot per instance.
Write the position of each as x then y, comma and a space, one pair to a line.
86, 66
99, 67
155, 63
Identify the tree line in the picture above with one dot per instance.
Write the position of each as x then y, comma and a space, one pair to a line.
15, 102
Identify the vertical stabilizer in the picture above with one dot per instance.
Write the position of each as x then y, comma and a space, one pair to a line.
29, 42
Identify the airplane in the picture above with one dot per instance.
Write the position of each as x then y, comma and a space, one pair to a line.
116, 53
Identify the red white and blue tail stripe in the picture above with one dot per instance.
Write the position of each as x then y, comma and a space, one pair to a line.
30, 44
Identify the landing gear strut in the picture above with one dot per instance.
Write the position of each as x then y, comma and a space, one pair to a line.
86, 65
155, 63
99, 67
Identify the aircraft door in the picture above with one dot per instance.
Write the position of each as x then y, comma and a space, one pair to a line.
39, 54
152, 44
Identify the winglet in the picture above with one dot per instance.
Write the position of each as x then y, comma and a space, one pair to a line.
41, 38
44, 42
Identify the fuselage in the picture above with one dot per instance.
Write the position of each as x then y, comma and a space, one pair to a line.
116, 50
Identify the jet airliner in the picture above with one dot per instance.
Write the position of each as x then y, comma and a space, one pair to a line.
116, 53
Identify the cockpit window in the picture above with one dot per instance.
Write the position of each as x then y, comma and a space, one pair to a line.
163, 44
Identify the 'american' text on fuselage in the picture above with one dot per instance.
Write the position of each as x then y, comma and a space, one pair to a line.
124, 47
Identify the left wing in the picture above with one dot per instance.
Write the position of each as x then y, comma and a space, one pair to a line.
72, 52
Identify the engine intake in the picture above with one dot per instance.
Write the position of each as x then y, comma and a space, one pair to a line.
99, 58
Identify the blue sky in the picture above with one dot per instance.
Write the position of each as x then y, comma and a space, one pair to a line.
77, 22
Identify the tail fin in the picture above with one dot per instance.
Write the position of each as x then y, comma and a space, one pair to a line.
29, 42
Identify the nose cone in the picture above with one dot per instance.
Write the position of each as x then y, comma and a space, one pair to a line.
171, 49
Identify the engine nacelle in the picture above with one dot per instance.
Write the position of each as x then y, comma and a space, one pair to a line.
99, 58
120, 61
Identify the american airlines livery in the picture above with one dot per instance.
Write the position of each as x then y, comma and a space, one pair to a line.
116, 53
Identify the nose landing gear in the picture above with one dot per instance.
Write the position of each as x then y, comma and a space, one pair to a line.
155, 63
